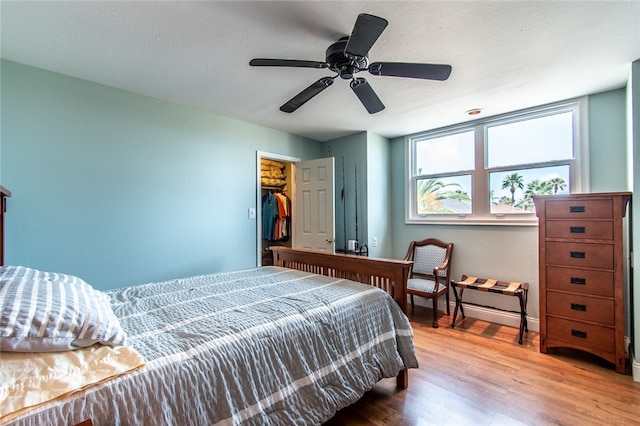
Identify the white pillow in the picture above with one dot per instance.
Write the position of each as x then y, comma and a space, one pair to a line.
49, 312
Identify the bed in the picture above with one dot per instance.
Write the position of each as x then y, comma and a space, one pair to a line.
285, 344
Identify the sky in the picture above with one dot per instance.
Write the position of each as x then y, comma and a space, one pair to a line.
546, 138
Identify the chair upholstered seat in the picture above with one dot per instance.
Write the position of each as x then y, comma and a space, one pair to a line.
427, 286
431, 272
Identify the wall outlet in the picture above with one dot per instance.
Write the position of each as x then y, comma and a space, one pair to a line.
252, 213
375, 241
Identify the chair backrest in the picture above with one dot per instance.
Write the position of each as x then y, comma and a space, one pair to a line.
429, 254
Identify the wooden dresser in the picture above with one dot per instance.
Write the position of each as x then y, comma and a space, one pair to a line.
582, 273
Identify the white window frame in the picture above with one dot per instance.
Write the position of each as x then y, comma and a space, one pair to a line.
481, 206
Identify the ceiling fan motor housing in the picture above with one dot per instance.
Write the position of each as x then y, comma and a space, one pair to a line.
341, 63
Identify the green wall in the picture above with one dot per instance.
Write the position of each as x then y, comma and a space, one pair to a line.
123, 189
511, 252
379, 196
353, 150
371, 154
608, 141
633, 138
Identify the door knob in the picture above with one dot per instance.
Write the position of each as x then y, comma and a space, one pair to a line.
329, 240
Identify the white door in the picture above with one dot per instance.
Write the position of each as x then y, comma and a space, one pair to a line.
314, 205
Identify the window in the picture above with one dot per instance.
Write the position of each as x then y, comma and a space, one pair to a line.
487, 171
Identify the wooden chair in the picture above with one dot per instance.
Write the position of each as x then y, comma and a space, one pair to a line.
431, 272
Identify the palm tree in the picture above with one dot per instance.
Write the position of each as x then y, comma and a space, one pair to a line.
557, 183
432, 191
536, 187
458, 194
513, 181
505, 200
492, 196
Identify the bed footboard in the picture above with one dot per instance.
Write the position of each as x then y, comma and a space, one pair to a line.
388, 274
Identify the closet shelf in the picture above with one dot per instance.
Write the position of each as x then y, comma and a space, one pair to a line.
274, 188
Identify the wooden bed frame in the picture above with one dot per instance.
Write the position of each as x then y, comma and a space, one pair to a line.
388, 274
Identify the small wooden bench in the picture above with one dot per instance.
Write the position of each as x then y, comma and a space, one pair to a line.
517, 289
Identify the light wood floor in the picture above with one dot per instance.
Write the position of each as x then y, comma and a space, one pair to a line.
478, 374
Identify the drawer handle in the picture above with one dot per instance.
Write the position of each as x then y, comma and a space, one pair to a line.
577, 254
577, 229
576, 209
578, 281
579, 307
578, 333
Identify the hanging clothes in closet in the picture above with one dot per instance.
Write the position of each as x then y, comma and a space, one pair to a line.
276, 217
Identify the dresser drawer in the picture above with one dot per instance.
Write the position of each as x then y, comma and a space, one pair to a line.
580, 254
580, 209
580, 229
582, 308
595, 337
584, 281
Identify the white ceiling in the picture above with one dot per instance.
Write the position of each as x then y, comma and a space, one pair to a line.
506, 55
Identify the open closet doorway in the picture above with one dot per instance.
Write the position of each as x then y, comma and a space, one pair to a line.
310, 187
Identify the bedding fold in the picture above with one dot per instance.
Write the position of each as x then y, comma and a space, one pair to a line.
28, 379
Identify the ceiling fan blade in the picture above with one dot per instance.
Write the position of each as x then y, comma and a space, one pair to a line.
401, 69
261, 62
365, 32
301, 98
367, 95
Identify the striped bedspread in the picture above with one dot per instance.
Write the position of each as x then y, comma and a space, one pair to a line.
263, 346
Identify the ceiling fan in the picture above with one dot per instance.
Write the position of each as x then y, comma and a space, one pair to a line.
348, 56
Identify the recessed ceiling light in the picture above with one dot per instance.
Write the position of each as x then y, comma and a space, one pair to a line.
474, 111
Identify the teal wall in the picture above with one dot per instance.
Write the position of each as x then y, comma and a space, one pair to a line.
633, 140
379, 195
371, 154
353, 149
608, 141
511, 252
123, 189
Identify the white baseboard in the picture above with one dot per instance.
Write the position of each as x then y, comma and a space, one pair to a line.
635, 369
486, 314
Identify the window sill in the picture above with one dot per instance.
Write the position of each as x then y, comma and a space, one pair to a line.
493, 220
